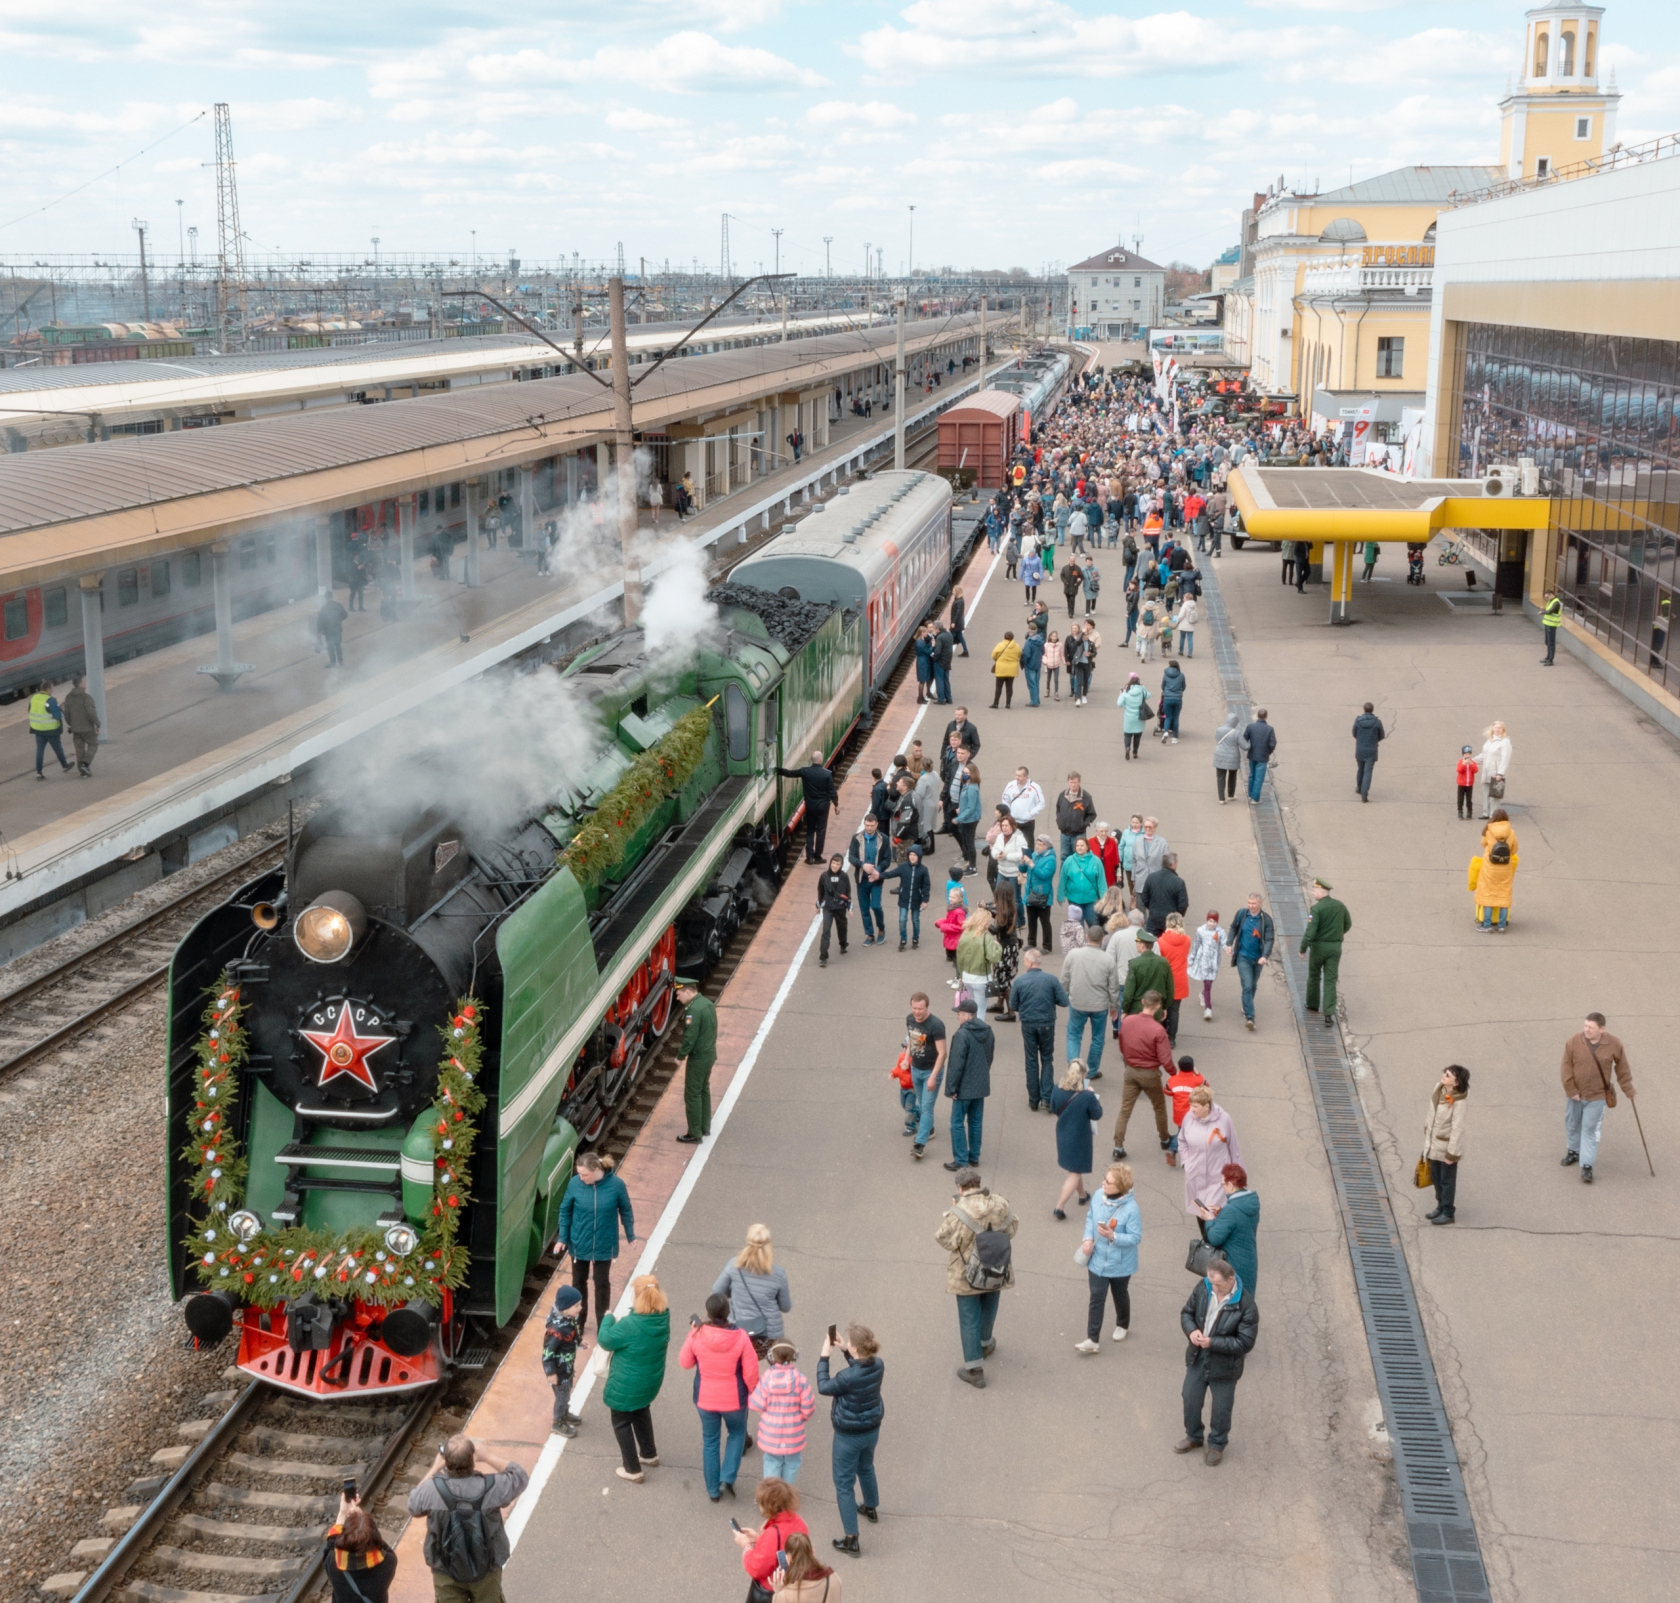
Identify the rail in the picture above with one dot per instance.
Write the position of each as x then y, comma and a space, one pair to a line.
264, 855
1440, 1527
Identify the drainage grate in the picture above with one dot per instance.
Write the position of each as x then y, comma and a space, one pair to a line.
1440, 1530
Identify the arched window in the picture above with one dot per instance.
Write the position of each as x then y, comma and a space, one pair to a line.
1540, 42
1343, 229
1429, 235
1566, 61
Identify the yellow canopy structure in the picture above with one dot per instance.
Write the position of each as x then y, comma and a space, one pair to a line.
1345, 507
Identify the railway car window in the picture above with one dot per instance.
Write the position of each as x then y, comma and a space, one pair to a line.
17, 617
57, 608
128, 587
271, 549
737, 711
160, 579
192, 570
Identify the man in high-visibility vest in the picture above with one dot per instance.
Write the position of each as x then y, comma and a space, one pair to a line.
46, 723
1550, 619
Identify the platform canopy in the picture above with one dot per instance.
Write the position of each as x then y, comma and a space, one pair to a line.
1320, 504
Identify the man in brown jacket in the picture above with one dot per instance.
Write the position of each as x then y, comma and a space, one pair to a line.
1592, 1061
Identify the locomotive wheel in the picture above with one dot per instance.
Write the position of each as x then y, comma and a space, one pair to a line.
660, 1019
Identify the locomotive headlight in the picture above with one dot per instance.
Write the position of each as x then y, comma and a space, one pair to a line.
326, 930
245, 1224
402, 1239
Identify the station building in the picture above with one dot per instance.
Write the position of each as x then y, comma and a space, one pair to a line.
1339, 304
1114, 295
1555, 340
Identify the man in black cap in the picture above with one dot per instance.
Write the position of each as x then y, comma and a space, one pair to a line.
1321, 941
820, 793
699, 1053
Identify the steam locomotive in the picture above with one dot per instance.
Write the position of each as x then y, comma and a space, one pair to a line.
384, 1055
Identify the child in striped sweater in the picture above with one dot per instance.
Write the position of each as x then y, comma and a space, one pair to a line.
784, 1400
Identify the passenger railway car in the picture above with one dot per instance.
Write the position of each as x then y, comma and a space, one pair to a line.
1037, 381
384, 1055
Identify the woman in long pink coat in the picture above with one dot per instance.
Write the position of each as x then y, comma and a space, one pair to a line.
1207, 1141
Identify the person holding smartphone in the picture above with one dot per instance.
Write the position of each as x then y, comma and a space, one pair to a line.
360, 1564
761, 1549
856, 1416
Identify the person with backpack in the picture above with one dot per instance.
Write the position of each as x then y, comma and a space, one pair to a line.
977, 1232
462, 1497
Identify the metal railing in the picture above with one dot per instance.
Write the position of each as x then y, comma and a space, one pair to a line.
1615, 158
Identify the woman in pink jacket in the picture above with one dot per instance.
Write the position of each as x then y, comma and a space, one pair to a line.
725, 1372
1207, 1141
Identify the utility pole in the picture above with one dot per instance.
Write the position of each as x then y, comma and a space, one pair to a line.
778, 233
828, 256
899, 303
910, 266
145, 282
724, 266
623, 451
230, 260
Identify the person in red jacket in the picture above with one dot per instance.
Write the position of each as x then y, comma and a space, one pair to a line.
726, 1370
1105, 845
1468, 768
779, 1504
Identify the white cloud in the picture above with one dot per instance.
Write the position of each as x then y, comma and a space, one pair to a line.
687, 62
630, 119
851, 114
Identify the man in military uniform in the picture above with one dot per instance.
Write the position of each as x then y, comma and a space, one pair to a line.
1321, 941
699, 1053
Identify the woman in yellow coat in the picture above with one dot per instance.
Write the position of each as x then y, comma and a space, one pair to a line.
1006, 664
1494, 871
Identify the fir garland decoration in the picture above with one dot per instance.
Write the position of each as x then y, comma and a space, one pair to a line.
603, 840
276, 1266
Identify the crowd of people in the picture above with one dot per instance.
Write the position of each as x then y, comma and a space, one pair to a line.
1080, 935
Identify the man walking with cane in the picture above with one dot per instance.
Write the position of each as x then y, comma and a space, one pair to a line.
1593, 1060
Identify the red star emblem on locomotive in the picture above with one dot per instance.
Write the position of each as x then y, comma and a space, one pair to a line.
343, 1051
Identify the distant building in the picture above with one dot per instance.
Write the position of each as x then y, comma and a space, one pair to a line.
1342, 280
1115, 295
1226, 271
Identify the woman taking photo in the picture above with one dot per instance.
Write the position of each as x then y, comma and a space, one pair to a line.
360, 1566
1113, 1229
638, 1343
1493, 881
1006, 928
977, 951
1077, 1109
757, 1290
1443, 1140
725, 1372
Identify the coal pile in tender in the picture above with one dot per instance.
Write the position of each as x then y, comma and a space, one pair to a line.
790, 623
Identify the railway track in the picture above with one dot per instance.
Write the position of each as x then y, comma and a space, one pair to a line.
53, 1009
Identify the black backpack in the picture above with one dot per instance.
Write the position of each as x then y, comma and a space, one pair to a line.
986, 1263
461, 1543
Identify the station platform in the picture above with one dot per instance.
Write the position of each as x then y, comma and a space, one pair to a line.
1058, 1481
180, 750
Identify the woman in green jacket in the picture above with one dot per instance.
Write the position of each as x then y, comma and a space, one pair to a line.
977, 951
637, 1342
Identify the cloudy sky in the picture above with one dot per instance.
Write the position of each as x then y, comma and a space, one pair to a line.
1023, 131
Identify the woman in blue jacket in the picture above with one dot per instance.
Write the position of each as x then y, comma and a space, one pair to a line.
1131, 703
1082, 881
968, 814
596, 1199
924, 665
1039, 892
1113, 1229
